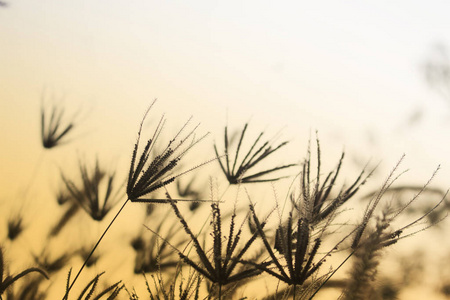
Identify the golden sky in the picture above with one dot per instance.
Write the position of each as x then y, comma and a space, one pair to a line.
349, 69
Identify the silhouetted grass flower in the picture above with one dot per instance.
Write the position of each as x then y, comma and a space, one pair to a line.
15, 227
54, 128
146, 176
297, 254
237, 173
109, 293
89, 196
7, 280
318, 195
221, 268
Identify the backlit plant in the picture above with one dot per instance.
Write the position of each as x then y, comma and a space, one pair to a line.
296, 252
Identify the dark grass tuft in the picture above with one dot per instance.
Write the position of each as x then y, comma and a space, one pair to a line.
221, 269
54, 127
7, 280
147, 176
89, 196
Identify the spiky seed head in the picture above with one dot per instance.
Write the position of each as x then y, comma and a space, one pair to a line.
54, 129
147, 174
15, 227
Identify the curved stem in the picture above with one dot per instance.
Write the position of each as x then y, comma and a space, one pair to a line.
93, 249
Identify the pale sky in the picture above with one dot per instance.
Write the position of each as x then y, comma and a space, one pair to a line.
342, 67
349, 69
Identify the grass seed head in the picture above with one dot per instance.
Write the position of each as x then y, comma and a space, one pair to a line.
54, 127
89, 196
15, 227
153, 168
237, 173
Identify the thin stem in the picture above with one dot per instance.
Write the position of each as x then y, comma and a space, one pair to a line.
93, 249
24, 193
332, 273
34, 173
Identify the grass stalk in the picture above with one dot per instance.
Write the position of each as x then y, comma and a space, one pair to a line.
93, 250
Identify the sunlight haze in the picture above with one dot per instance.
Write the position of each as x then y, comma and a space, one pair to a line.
351, 70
